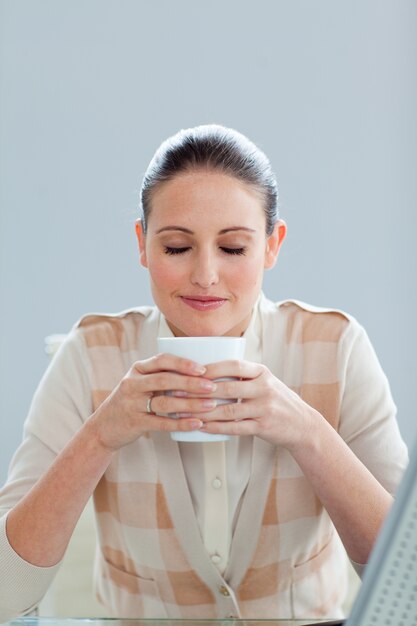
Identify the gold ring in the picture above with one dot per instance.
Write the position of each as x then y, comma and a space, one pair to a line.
148, 406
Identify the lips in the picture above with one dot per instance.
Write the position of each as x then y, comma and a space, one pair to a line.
204, 298
203, 303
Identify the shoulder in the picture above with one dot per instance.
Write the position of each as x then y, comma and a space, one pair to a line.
116, 329
306, 322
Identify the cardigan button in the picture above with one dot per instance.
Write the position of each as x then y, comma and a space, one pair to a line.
216, 558
216, 483
224, 591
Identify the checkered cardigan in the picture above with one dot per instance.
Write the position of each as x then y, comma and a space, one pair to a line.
285, 559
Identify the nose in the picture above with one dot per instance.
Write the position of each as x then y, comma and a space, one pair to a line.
205, 272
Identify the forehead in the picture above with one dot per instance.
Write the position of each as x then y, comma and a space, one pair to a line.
206, 196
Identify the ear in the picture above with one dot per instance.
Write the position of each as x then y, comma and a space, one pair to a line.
142, 242
274, 243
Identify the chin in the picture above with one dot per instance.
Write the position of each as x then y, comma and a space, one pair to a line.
203, 332
199, 329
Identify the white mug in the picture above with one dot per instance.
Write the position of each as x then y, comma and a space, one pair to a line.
203, 350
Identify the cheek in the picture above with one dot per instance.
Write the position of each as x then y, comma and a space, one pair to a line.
248, 272
164, 272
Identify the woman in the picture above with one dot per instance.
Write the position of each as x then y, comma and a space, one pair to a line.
238, 528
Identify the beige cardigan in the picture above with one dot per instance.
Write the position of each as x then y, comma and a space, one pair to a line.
285, 560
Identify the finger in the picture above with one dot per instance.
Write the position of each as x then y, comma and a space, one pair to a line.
241, 427
237, 389
169, 381
170, 424
163, 404
169, 362
232, 411
234, 368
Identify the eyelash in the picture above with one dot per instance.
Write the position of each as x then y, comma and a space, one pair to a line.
232, 251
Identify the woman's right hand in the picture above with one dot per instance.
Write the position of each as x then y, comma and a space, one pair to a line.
123, 416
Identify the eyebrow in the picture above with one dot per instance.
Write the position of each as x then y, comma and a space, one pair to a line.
190, 232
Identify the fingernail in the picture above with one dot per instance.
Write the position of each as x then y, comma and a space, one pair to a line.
199, 369
207, 385
209, 404
196, 424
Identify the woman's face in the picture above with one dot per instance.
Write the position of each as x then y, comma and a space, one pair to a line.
206, 251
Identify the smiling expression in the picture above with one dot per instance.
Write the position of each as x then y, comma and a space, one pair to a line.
206, 251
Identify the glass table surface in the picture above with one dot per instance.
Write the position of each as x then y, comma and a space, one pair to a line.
56, 621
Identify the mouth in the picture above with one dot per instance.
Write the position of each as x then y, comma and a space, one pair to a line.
203, 303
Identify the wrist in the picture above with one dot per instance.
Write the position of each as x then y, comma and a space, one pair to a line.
96, 437
311, 436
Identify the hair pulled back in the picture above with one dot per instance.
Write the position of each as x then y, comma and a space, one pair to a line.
214, 148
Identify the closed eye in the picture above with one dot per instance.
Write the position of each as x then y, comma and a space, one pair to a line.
234, 250
169, 250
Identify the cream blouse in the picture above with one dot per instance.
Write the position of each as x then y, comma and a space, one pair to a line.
217, 475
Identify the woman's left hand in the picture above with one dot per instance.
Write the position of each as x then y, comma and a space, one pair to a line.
270, 410
266, 407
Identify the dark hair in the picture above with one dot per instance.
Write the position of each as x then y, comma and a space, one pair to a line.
217, 148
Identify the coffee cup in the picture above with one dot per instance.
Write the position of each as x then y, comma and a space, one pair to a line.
203, 350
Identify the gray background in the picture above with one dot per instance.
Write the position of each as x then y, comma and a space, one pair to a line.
90, 88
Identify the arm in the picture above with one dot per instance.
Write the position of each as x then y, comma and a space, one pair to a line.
63, 456
54, 418
356, 470
40, 526
30, 552
356, 502
353, 472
